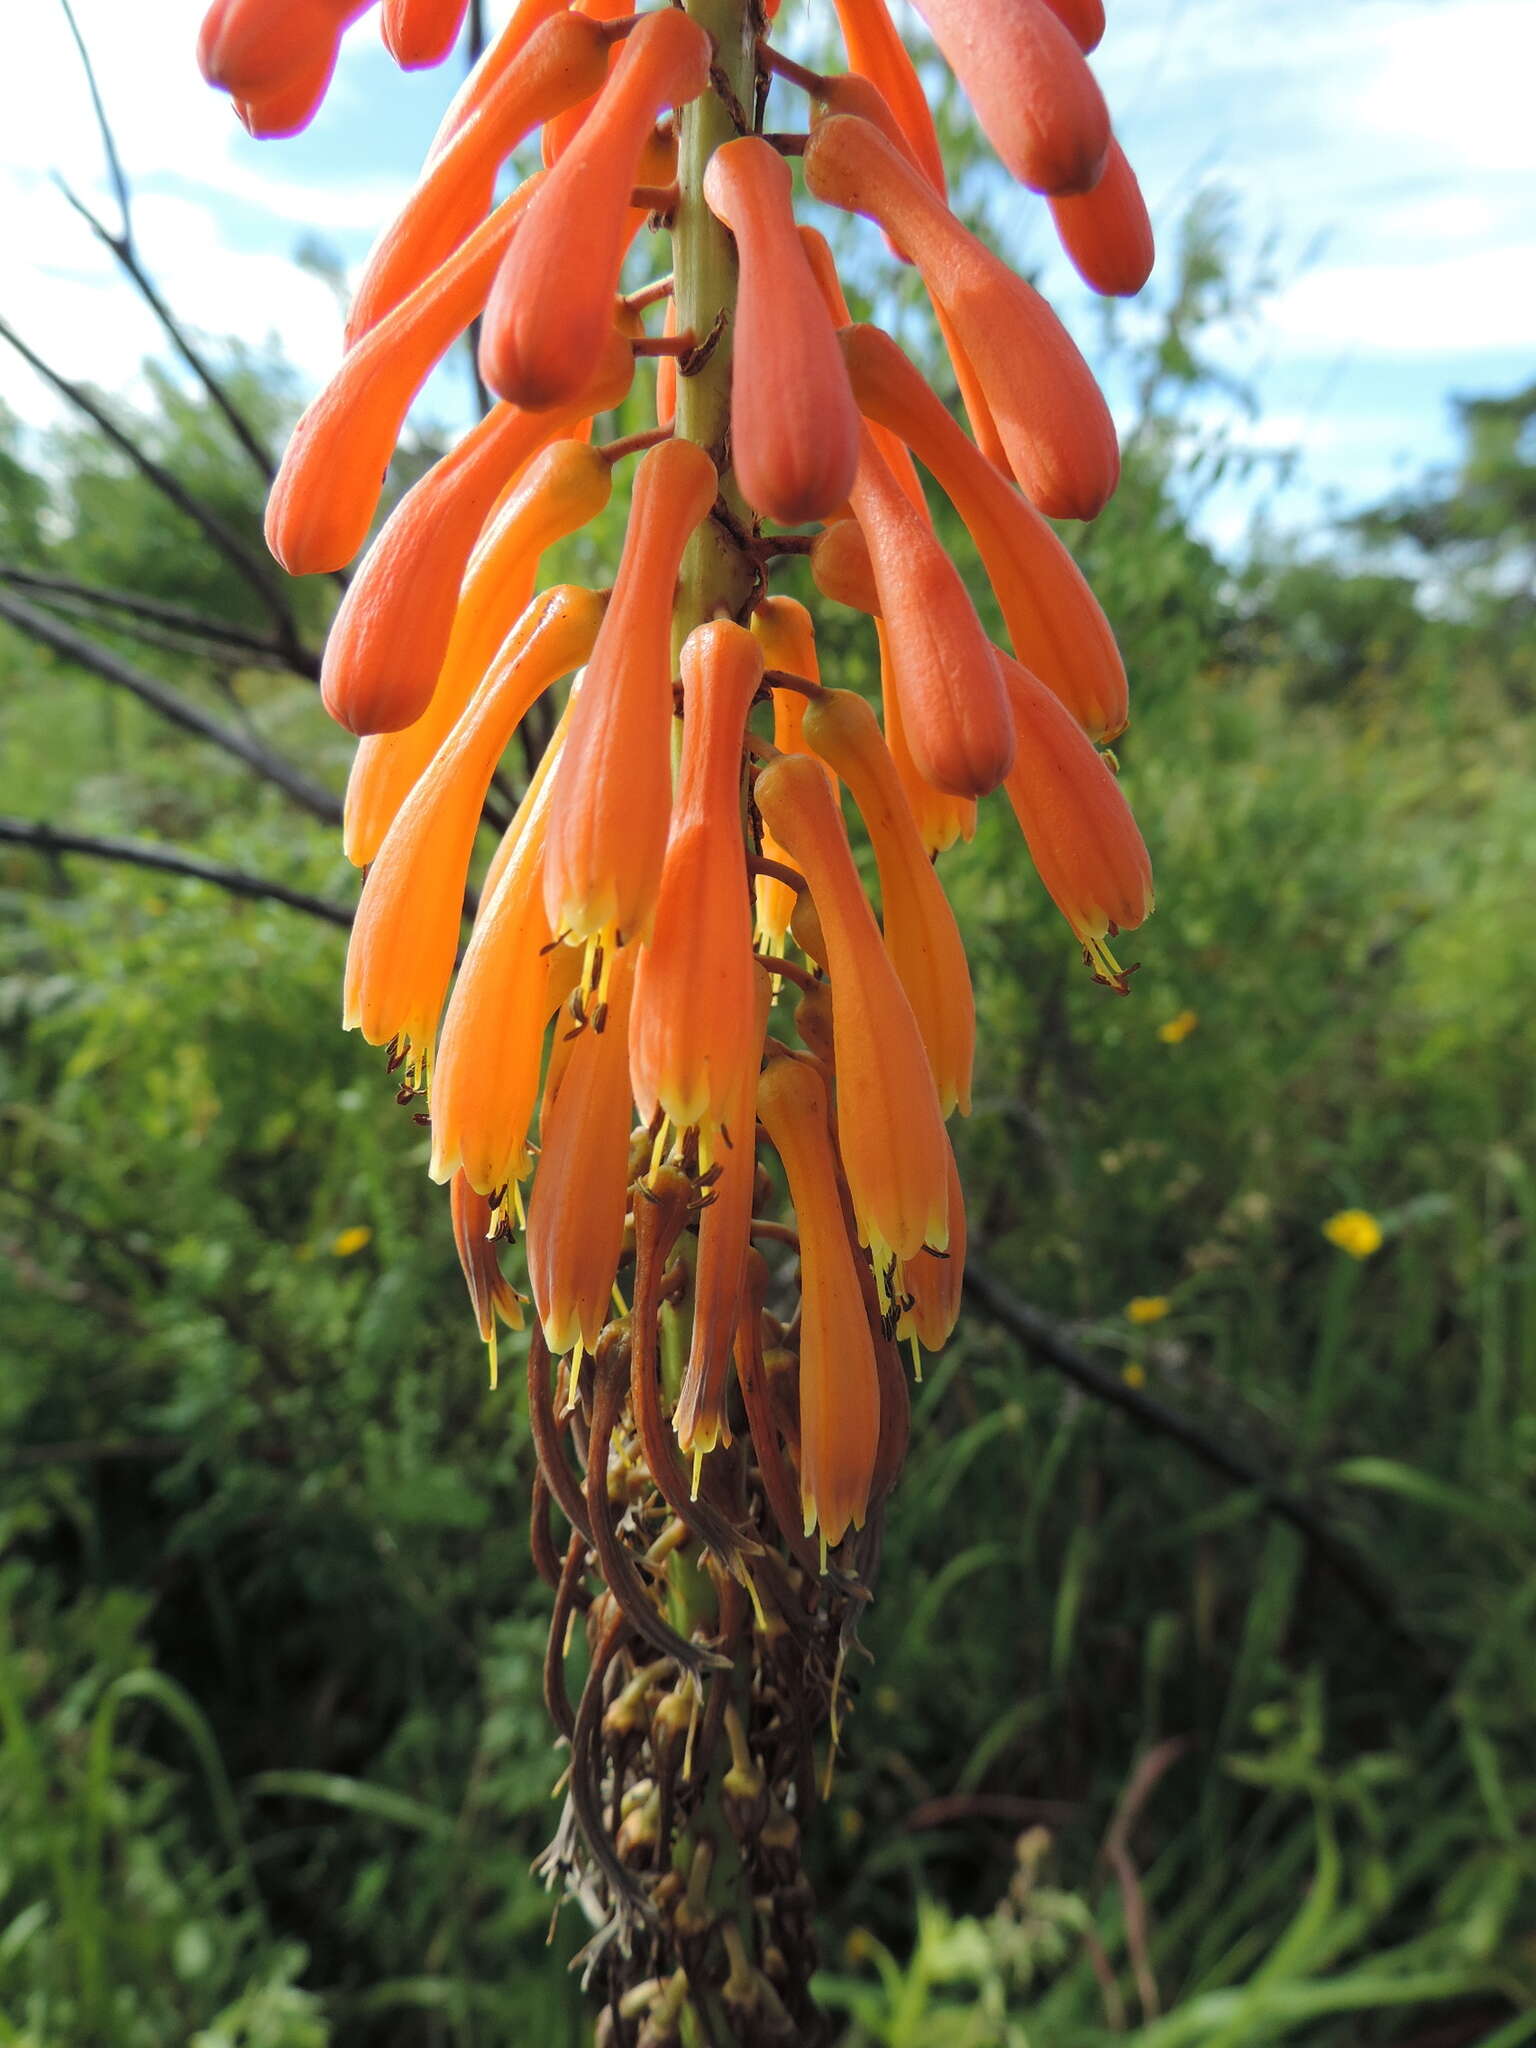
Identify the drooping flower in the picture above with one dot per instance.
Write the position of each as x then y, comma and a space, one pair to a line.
795, 432
890, 1130
1058, 630
551, 308
839, 1391
1077, 825
1051, 418
564, 487
920, 931
694, 1028
609, 834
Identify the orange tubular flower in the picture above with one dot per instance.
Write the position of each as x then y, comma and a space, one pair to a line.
841, 570
783, 630
1053, 619
291, 108
954, 709
1034, 95
565, 59
400, 957
419, 33
794, 427
818, 254
333, 469
254, 49
486, 1079
564, 487
559, 132
920, 931
576, 1214
724, 1239
875, 49
491, 1294
839, 1386
1085, 18
551, 307
1077, 825
934, 1283
1106, 232
387, 645
1050, 415
609, 835
693, 1030
890, 1127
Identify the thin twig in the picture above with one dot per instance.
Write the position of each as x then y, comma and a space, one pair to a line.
239, 639
170, 704
140, 853
125, 252
1051, 1340
252, 570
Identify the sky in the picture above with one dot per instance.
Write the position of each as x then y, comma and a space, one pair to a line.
1383, 152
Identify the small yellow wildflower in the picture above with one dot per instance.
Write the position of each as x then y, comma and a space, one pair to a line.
351, 1240
1355, 1231
1147, 1308
1134, 1373
1177, 1029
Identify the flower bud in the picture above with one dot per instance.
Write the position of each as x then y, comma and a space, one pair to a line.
1053, 619
332, 473
551, 308
794, 428
877, 51
420, 33
954, 710
1106, 232
562, 61
387, 644
1049, 413
1033, 94
564, 487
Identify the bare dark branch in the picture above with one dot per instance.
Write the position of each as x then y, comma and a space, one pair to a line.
168, 860
168, 703
256, 572
125, 249
1052, 1341
218, 633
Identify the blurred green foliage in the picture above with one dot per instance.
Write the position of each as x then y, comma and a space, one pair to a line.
1128, 1759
